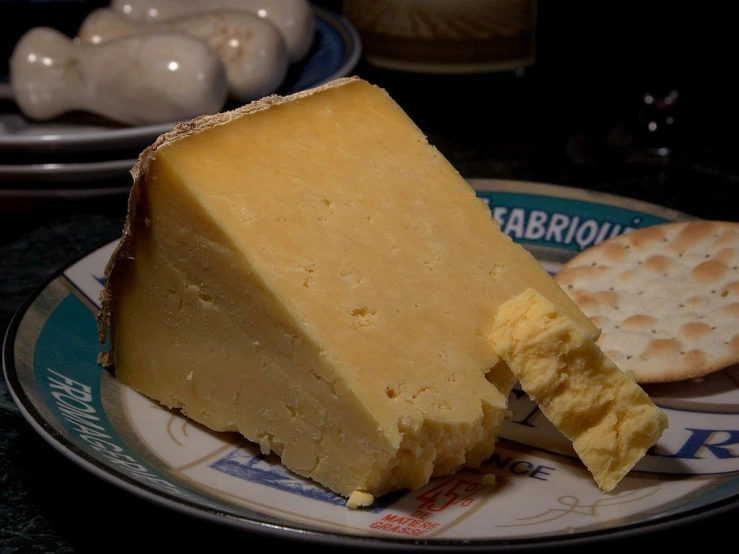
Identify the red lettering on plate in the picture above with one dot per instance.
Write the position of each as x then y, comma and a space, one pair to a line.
403, 525
450, 492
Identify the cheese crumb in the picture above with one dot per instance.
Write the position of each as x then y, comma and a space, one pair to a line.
265, 441
488, 479
360, 499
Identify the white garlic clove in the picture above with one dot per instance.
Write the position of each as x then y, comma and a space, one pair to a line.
293, 18
251, 48
143, 79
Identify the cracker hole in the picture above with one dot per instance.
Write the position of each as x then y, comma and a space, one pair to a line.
628, 357
713, 327
594, 264
724, 294
616, 326
654, 331
682, 352
639, 262
611, 288
681, 306
665, 239
627, 246
713, 291
569, 286
707, 256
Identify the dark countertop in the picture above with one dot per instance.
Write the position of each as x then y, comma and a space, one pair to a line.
576, 118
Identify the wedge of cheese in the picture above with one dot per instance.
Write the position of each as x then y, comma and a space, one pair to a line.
608, 417
309, 272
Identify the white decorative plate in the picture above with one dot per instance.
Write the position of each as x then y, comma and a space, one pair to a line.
25, 195
65, 172
542, 495
335, 53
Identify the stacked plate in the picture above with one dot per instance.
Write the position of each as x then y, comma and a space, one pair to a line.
81, 156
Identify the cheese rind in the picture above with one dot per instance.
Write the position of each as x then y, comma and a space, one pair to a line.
308, 271
608, 417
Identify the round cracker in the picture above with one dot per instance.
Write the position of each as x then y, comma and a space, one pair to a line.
666, 298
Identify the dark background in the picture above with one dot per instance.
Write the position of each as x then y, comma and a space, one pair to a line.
577, 117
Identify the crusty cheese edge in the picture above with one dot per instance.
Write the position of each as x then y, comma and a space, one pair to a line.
139, 172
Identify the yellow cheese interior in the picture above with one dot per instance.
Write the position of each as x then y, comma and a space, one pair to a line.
318, 278
602, 410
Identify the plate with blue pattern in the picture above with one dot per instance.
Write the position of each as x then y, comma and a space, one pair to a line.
541, 493
335, 52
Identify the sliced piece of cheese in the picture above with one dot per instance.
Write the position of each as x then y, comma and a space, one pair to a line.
310, 272
610, 420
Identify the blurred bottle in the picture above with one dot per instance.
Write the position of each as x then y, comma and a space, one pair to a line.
444, 36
